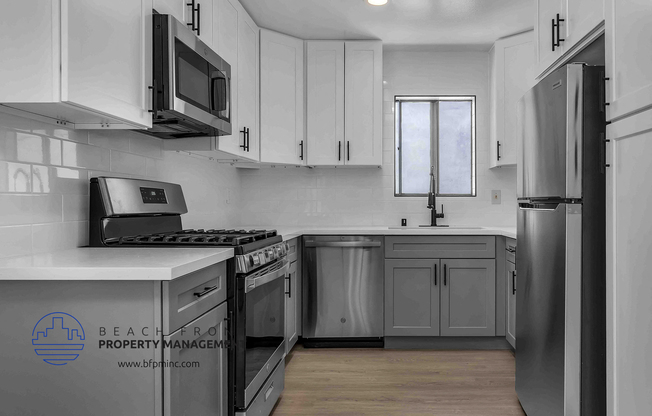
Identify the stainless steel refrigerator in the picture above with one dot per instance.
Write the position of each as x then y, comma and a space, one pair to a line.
560, 299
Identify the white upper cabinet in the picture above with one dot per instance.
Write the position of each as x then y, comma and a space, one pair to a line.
325, 102
546, 34
81, 64
363, 103
281, 99
344, 103
236, 40
563, 28
197, 14
512, 61
629, 61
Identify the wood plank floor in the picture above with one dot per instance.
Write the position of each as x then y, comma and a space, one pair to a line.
398, 382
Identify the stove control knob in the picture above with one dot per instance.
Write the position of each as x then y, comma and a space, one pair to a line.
250, 260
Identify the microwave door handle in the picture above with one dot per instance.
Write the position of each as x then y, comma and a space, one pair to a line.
252, 284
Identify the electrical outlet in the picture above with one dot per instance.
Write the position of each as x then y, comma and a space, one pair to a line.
495, 197
229, 196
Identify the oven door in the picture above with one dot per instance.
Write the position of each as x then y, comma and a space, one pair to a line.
197, 82
260, 332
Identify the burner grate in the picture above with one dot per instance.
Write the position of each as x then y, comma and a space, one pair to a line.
200, 237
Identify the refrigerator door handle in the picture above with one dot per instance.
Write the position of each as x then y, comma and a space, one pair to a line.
538, 206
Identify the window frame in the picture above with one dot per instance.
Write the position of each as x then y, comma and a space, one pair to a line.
434, 141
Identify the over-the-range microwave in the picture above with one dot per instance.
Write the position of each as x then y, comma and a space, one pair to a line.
192, 84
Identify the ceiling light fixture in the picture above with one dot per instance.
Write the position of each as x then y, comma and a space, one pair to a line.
377, 2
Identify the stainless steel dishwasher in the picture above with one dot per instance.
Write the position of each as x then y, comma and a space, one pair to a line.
343, 291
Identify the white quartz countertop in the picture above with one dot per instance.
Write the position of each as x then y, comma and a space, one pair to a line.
135, 263
289, 233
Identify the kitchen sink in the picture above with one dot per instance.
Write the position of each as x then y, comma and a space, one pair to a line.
450, 227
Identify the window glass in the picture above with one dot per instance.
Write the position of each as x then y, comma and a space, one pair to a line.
439, 132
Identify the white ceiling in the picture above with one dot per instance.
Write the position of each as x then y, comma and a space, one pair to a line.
405, 22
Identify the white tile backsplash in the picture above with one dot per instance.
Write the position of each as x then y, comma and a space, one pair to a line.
45, 172
365, 196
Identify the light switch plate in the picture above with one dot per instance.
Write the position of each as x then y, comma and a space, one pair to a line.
495, 197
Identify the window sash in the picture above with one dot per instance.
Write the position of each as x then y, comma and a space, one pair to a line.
434, 142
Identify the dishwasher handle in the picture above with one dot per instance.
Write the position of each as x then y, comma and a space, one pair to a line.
346, 244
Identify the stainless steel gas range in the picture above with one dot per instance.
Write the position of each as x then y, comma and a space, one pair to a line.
137, 213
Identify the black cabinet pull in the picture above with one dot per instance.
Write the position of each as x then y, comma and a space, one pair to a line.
289, 292
248, 139
444, 274
206, 291
198, 20
339, 151
153, 90
348, 150
435, 275
513, 282
244, 139
552, 32
301, 146
498, 150
192, 15
556, 27
603, 153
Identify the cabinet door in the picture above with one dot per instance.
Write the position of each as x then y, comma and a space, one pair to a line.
225, 37
198, 390
36, 65
281, 99
236, 35
582, 16
248, 82
203, 20
177, 8
363, 89
627, 28
511, 303
514, 62
468, 298
291, 308
629, 227
109, 77
412, 297
547, 11
325, 102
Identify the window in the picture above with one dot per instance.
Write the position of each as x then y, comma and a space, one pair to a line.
439, 132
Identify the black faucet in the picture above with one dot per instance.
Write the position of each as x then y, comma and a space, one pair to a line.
432, 200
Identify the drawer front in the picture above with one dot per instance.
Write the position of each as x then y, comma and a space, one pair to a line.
264, 402
510, 250
447, 247
186, 298
293, 254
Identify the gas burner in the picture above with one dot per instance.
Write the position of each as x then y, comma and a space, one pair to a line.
199, 237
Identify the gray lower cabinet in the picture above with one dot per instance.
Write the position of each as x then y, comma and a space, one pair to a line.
511, 304
468, 297
411, 298
291, 308
201, 390
132, 324
447, 297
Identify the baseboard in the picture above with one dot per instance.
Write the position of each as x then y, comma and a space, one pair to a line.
447, 343
342, 342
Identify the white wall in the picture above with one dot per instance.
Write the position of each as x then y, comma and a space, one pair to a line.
44, 182
334, 197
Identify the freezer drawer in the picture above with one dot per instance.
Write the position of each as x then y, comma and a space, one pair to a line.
548, 309
343, 287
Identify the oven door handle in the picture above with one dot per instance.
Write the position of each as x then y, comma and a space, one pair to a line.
256, 282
